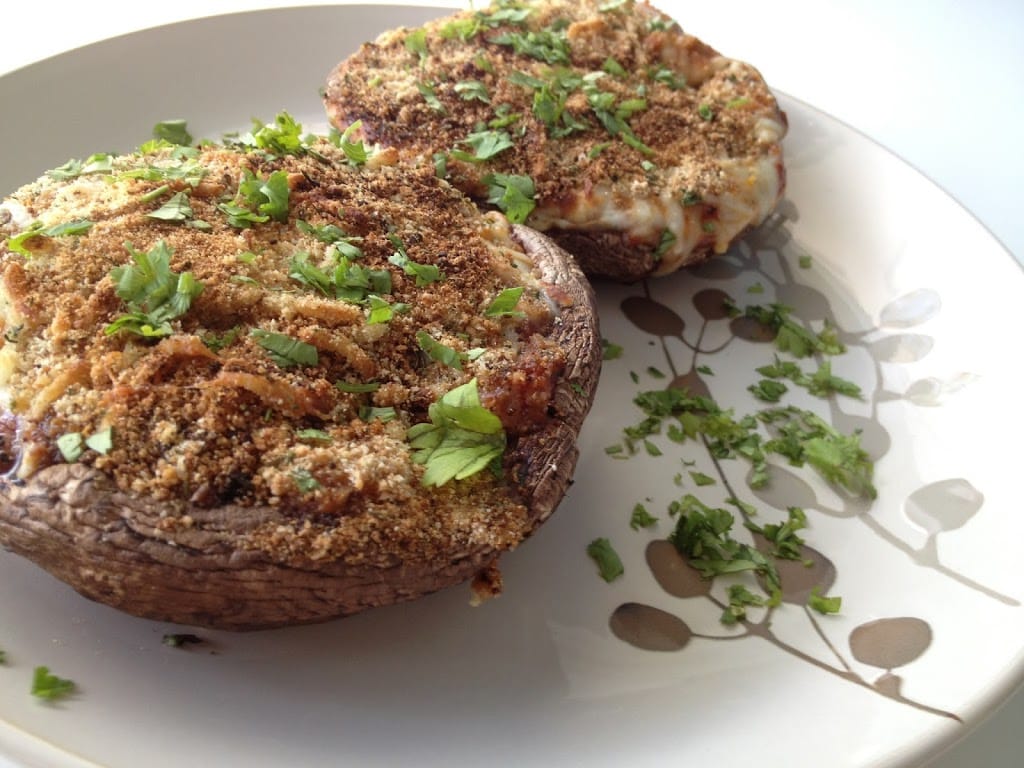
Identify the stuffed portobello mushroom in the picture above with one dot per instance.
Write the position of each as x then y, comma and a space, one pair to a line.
633, 144
278, 380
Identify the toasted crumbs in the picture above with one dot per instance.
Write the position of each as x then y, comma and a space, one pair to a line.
206, 418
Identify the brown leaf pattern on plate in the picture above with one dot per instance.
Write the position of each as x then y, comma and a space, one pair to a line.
941, 506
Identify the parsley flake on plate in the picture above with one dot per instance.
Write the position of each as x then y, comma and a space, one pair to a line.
48, 687
609, 564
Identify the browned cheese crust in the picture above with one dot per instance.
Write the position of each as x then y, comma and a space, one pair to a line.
216, 484
646, 148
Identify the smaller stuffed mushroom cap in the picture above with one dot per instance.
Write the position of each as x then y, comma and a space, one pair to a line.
633, 144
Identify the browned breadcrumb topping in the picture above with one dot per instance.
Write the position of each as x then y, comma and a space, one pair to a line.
594, 96
205, 417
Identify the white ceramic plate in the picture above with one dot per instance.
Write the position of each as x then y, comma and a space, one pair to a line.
927, 641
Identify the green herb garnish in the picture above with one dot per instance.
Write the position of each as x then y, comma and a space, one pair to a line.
425, 274
154, 294
100, 162
370, 413
36, 229
741, 598
316, 435
473, 90
504, 304
513, 194
258, 200
180, 639
610, 351
442, 353
702, 534
381, 311
285, 350
822, 604
462, 438
485, 145
177, 208
792, 337
700, 479
304, 481
416, 42
355, 151
641, 518
430, 96
609, 564
173, 132
71, 446
48, 686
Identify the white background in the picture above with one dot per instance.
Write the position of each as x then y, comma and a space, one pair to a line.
940, 83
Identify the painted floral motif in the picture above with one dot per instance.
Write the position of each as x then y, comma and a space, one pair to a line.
767, 267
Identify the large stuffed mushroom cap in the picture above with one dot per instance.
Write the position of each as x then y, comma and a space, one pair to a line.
262, 384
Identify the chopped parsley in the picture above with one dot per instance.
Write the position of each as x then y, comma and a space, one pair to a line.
461, 439
371, 413
798, 435
485, 145
49, 687
180, 639
804, 437
610, 350
305, 481
348, 281
641, 518
702, 534
700, 479
549, 44
177, 208
791, 336
430, 96
769, 390
821, 383
316, 435
786, 542
473, 90
285, 350
609, 564
425, 274
512, 194
442, 353
36, 229
668, 239
822, 604
341, 242
282, 137
416, 43
101, 163
355, 151
504, 304
154, 294
381, 311
258, 200
173, 132
740, 599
